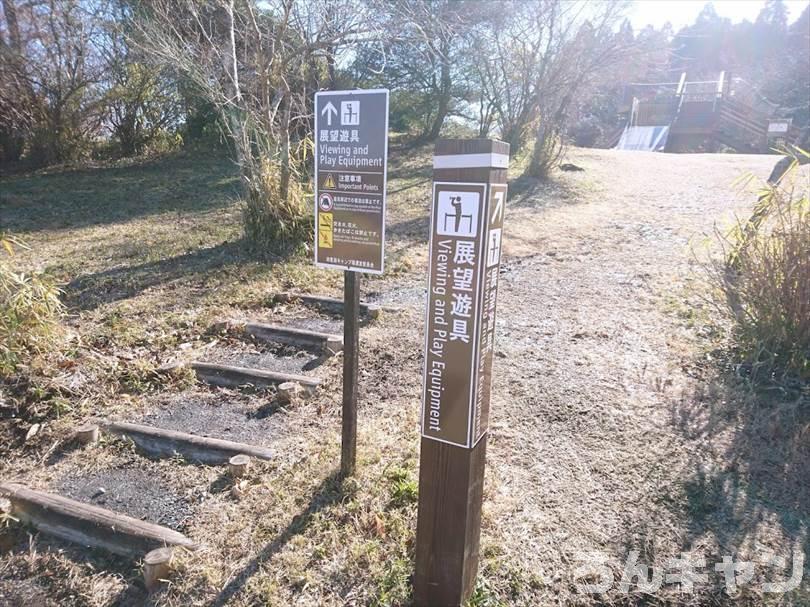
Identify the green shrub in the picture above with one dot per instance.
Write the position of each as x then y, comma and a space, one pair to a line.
765, 282
276, 224
29, 310
163, 142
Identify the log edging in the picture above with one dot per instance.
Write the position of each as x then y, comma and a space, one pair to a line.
193, 447
89, 525
228, 376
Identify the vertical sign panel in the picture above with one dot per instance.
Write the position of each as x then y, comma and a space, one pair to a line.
491, 264
351, 149
467, 222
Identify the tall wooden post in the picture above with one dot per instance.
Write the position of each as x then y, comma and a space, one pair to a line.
351, 351
469, 194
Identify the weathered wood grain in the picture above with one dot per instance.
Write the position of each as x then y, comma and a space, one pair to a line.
323, 342
448, 530
89, 525
334, 304
159, 442
233, 377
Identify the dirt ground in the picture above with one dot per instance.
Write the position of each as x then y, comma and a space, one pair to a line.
617, 425
613, 431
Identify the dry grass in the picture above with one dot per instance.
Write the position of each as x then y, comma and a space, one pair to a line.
29, 310
764, 281
276, 224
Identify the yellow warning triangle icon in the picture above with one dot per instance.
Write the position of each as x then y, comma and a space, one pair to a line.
330, 182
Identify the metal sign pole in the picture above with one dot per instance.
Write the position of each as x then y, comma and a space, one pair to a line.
469, 195
351, 353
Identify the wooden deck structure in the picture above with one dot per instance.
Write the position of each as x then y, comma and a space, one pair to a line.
707, 115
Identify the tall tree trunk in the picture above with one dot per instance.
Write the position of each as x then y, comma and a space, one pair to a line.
512, 133
539, 161
12, 141
445, 84
444, 101
547, 144
331, 68
236, 124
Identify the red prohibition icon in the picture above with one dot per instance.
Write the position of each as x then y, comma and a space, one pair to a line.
325, 202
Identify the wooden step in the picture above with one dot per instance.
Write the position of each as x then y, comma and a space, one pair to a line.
227, 376
324, 342
159, 442
89, 525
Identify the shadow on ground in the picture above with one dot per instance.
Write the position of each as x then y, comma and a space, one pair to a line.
89, 291
417, 228
34, 560
530, 192
765, 452
68, 199
745, 493
329, 492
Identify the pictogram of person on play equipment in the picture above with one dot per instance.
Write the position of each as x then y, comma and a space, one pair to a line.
455, 202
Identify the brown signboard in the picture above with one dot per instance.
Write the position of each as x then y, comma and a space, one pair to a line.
465, 250
351, 149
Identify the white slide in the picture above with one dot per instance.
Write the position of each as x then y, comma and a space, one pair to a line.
644, 138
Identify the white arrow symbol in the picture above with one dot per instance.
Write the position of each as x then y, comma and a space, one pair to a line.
329, 109
498, 207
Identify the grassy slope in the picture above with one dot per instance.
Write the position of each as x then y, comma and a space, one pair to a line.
135, 244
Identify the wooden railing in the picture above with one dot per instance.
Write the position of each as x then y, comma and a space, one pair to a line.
712, 109
695, 116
